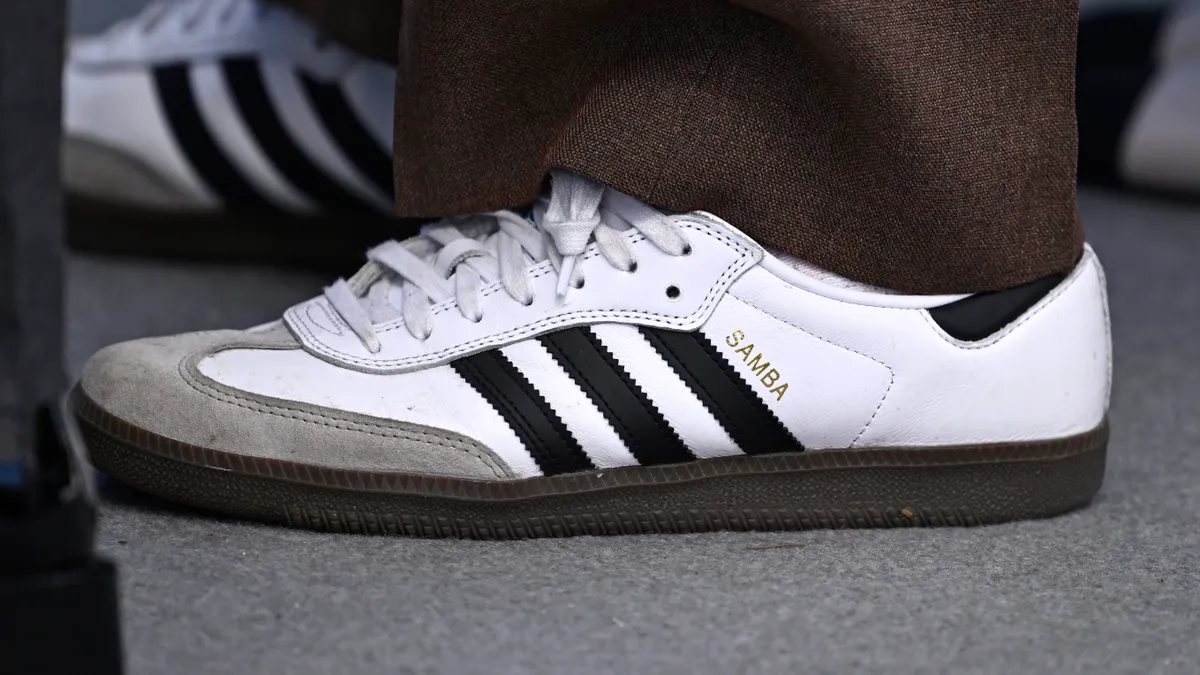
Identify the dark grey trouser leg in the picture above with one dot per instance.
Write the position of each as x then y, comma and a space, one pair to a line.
52, 587
31, 259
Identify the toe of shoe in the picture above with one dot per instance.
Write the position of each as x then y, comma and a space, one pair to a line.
140, 382
151, 391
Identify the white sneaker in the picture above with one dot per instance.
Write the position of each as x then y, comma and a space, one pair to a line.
604, 368
1138, 98
230, 108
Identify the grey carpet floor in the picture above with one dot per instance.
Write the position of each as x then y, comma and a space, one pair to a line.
1112, 588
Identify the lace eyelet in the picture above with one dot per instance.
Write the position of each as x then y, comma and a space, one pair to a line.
687, 250
578, 285
633, 267
528, 304
673, 292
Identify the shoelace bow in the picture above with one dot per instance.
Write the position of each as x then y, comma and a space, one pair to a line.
456, 257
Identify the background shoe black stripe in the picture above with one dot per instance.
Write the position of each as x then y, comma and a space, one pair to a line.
729, 397
626, 407
350, 133
533, 420
250, 92
174, 88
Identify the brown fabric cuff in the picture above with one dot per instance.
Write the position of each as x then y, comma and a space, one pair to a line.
927, 147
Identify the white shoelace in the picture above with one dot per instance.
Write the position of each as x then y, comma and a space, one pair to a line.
188, 15
456, 257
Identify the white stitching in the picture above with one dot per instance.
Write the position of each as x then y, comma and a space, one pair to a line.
433, 358
1011, 328
491, 289
261, 407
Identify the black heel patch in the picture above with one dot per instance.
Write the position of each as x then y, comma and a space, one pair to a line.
983, 314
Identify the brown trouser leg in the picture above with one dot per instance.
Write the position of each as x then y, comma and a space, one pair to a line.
928, 147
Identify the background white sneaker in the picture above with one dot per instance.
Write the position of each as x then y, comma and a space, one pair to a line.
641, 372
237, 119
1138, 98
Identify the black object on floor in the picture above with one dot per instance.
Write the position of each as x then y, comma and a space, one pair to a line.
58, 602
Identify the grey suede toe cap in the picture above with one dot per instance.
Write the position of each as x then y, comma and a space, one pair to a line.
153, 384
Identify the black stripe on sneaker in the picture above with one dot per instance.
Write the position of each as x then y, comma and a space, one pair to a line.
349, 132
728, 397
173, 85
528, 414
245, 80
628, 410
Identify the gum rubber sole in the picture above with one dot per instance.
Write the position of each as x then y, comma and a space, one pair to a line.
958, 485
